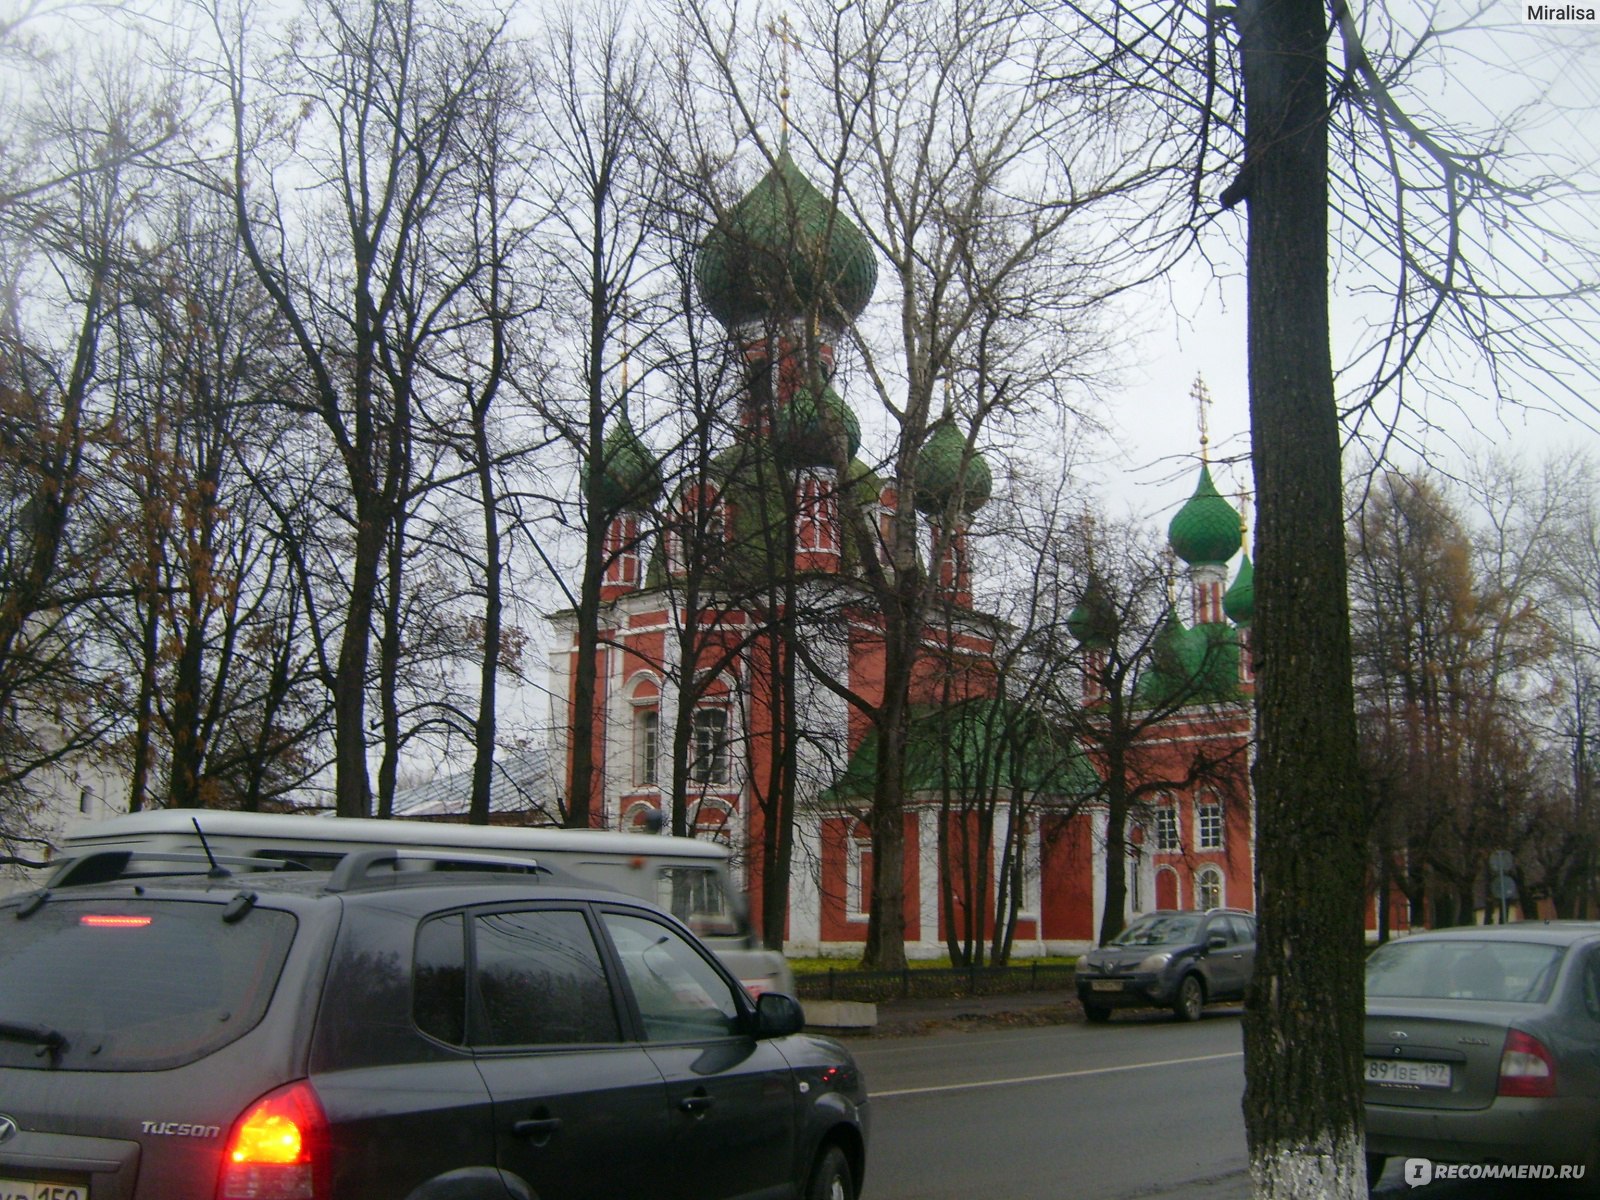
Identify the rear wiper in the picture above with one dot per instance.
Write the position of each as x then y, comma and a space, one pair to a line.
51, 1041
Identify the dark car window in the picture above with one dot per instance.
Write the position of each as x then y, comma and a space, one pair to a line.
439, 981
680, 995
1462, 969
137, 985
695, 896
1160, 929
1221, 926
1591, 985
1244, 930
540, 980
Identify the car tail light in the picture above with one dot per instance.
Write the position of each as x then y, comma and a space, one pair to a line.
1526, 1067
278, 1149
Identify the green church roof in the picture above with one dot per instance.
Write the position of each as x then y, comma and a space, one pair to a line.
1192, 666
804, 430
938, 473
1239, 601
977, 747
630, 477
1206, 529
1094, 621
785, 251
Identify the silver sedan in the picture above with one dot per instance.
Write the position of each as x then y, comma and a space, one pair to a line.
1483, 1049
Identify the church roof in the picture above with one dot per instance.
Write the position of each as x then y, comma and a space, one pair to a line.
1206, 529
785, 250
979, 746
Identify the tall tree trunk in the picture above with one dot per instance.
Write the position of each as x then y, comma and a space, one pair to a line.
493, 606
1303, 1018
585, 686
1117, 805
352, 787
885, 948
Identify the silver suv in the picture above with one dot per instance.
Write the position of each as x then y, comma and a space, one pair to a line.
397, 1029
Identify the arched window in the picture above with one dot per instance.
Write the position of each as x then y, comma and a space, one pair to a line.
1208, 888
1166, 888
858, 873
710, 761
1167, 837
646, 746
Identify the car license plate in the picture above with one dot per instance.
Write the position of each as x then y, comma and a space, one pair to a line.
30, 1189
1105, 985
1408, 1073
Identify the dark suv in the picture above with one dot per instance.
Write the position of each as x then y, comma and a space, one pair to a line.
398, 1030
1177, 959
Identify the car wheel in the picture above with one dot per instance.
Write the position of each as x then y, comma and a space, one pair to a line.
830, 1178
1096, 1013
1191, 999
1374, 1169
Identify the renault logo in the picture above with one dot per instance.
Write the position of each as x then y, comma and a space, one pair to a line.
8, 1128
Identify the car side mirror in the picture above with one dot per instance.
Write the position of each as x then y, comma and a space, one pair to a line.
778, 1015
1216, 942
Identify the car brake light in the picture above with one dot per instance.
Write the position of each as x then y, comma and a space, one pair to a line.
109, 921
1526, 1067
277, 1149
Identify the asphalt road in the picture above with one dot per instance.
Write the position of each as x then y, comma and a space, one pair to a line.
1142, 1107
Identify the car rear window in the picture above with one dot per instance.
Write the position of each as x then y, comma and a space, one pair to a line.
1464, 969
135, 984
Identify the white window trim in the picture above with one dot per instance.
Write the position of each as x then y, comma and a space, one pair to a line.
1199, 888
855, 885
724, 756
1166, 821
646, 766
1200, 808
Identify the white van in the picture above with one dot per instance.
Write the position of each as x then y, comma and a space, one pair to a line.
685, 875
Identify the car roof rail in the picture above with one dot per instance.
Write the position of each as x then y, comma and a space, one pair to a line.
358, 868
108, 866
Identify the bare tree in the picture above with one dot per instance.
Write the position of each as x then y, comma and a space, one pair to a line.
67, 253
966, 163
370, 105
602, 179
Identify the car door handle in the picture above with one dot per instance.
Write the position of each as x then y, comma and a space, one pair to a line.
537, 1129
697, 1104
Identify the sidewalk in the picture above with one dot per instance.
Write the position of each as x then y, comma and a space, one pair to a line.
944, 1014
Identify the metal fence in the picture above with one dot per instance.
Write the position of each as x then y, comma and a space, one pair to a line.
932, 982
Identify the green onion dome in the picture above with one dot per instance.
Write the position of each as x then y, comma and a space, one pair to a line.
1191, 666
938, 474
1239, 601
630, 477
1206, 529
785, 251
805, 429
1094, 621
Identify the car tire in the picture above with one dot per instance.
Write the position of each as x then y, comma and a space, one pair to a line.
1096, 1013
1191, 999
831, 1178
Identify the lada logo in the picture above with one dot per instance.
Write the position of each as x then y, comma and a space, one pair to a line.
8, 1128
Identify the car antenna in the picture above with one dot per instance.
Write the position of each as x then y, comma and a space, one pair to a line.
218, 871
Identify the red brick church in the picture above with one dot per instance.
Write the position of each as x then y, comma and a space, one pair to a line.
1190, 847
